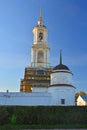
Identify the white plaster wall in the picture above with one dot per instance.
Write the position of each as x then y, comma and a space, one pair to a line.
52, 97
25, 99
45, 36
31, 54
61, 78
39, 89
45, 58
62, 92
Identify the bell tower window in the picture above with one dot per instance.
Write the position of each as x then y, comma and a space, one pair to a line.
40, 36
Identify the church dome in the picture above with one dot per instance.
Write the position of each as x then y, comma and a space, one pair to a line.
61, 67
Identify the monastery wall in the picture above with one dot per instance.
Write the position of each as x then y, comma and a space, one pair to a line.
25, 99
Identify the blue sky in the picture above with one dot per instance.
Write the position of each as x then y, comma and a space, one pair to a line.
66, 21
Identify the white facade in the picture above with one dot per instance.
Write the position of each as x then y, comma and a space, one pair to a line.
61, 77
62, 95
25, 99
56, 96
61, 88
39, 89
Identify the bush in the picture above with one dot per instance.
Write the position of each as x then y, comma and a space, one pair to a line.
4, 115
43, 115
13, 119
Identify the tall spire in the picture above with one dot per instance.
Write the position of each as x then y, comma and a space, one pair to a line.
41, 13
40, 21
60, 56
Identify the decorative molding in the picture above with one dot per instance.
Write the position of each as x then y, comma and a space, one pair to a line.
62, 85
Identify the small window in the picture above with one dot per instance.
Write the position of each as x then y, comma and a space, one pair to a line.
62, 101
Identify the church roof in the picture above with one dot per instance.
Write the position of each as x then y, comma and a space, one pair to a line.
61, 66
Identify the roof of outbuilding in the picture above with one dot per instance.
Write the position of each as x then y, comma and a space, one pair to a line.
84, 97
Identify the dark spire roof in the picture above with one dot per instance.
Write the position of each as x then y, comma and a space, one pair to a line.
61, 66
60, 56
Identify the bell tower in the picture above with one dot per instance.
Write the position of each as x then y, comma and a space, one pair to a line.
40, 48
38, 73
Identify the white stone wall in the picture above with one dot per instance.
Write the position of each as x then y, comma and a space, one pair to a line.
51, 98
39, 89
25, 99
45, 36
61, 78
62, 92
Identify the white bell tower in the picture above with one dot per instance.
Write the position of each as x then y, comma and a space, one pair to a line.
40, 48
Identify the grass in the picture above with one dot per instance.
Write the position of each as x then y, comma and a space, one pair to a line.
18, 127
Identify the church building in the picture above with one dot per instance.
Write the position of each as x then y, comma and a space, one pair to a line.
38, 73
42, 85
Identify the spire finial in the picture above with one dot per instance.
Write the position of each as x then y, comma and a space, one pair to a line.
40, 21
60, 56
40, 13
